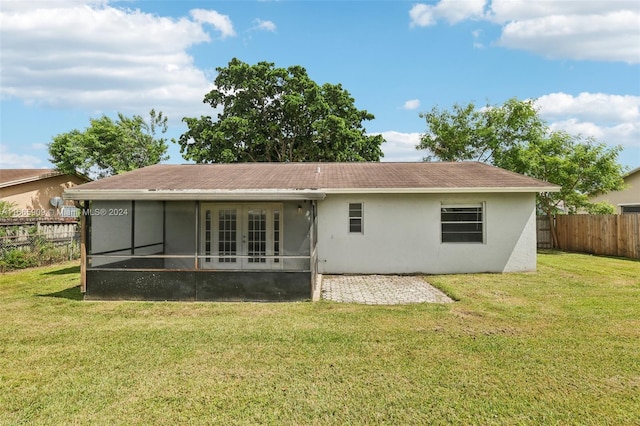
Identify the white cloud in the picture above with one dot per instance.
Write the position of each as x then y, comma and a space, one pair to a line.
265, 25
9, 160
591, 106
476, 37
401, 146
453, 11
583, 30
609, 37
422, 15
612, 119
503, 11
411, 104
220, 22
15, 5
576, 127
625, 134
95, 56
39, 146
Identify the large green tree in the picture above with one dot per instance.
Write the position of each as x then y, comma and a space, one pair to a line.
108, 147
480, 134
514, 137
276, 114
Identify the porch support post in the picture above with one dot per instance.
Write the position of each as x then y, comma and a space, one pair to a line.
197, 234
133, 227
313, 258
164, 227
84, 222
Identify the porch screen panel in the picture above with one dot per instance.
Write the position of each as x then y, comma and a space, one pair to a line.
276, 235
257, 235
207, 235
227, 233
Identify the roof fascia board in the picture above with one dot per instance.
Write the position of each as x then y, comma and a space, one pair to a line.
438, 190
144, 194
261, 195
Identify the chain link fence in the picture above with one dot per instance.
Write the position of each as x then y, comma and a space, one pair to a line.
31, 244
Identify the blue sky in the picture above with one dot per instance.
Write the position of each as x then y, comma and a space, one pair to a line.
65, 61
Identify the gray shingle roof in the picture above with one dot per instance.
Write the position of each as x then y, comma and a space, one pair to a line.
10, 177
322, 177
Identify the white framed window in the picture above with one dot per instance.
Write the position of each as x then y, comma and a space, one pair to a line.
631, 208
462, 223
356, 218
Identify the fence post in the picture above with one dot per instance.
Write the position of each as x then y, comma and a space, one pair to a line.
83, 248
560, 232
620, 245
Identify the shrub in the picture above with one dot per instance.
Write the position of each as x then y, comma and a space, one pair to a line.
17, 259
38, 251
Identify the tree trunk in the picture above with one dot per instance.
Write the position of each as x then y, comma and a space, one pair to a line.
553, 227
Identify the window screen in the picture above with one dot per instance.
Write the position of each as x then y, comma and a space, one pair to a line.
630, 209
462, 224
355, 218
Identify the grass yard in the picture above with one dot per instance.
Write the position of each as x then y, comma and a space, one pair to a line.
559, 346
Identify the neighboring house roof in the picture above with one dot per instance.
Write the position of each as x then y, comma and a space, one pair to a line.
12, 177
631, 173
303, 180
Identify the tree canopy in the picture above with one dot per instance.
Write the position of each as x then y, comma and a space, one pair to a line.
514, 137
278, 114
469, 133
109, 147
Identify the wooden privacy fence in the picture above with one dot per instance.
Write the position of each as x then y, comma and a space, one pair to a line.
608, 235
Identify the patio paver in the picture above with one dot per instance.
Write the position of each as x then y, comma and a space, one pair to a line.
380, 289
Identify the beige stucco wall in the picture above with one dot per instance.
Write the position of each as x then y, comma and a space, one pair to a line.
402, 235
33, 197
630, 195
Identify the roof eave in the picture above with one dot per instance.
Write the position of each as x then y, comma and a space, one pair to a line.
29, 179
190, 195
270, 195
456, 190
42, 177
631, 172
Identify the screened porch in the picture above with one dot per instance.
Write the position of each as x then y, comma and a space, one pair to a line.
199, 250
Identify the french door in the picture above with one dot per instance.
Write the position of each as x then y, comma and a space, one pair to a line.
241, 236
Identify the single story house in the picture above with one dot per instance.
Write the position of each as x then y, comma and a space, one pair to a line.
36, 192
628, 199
264, 231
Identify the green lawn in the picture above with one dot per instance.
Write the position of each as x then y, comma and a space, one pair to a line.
559, 346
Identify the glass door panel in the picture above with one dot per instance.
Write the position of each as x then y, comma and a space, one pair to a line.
241, 236
220, 236
227, 231
256, 238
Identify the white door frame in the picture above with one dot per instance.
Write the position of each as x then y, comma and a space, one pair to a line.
249, 244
